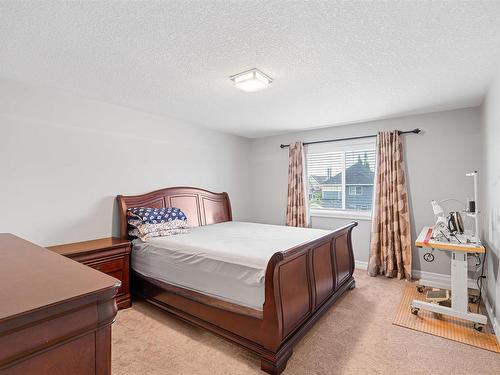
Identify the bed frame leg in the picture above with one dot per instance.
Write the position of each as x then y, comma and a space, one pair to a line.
276, 365
353, 285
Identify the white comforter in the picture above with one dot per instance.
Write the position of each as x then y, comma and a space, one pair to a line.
226, 260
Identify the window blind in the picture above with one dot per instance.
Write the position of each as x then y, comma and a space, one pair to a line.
341, 177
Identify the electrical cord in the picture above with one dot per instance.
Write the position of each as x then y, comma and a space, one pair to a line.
479, 282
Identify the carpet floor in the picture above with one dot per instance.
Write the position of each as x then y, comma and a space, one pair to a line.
356, 336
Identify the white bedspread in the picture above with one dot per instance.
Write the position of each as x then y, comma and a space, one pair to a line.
226, 260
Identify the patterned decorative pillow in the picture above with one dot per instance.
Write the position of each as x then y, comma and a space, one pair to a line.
141, 215
154, 221
169, 228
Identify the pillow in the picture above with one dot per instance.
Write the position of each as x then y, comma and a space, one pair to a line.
141, 215
169, 228
149, 222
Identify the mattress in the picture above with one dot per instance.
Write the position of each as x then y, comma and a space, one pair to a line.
226, 260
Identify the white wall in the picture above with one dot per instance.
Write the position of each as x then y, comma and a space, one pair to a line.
490, 189
63, 159
437, 161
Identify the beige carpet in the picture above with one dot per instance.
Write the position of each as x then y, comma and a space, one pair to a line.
356, 336
443, 325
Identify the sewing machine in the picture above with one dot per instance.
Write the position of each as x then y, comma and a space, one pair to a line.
458, 285
449, 235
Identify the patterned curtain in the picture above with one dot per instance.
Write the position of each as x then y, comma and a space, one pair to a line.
390, 245
296, 210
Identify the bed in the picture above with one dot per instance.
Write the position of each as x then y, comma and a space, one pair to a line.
296, 273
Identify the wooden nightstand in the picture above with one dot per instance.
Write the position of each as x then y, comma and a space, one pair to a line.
109, 255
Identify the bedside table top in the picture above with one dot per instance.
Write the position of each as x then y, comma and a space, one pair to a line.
90, 246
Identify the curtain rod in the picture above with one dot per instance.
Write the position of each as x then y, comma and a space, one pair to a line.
414, 131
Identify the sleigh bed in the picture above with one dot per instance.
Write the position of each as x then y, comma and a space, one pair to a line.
300, 282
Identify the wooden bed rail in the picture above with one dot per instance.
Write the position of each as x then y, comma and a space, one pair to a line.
301, 283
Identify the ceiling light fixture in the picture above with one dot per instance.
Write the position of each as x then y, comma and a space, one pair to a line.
251, 80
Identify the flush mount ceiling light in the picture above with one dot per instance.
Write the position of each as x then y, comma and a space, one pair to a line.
251, 80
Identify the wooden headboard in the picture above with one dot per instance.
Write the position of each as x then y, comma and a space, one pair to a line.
201, 207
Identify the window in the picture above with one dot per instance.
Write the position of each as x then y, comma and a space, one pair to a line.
341, 176
355, 189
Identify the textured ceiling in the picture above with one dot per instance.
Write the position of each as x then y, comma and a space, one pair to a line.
332, 62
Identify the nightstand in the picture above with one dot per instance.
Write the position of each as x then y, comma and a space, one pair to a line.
109, 255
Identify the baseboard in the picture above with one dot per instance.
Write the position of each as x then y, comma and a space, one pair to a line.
439, 279
360, 265
493, 319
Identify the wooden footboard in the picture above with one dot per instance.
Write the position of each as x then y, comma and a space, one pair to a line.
301, 283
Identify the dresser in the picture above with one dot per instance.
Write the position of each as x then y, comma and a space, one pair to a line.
110, 255
55, 314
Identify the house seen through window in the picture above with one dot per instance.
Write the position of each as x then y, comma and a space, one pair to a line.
341, 176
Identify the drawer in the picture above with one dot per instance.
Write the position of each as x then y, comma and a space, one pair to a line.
114, 268
109, 266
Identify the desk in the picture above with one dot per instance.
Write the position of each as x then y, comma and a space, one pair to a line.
459, 289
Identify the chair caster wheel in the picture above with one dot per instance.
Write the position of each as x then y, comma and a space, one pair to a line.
420, 288
478, 327
414, 310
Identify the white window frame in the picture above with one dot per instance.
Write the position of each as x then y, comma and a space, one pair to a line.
355, 189
354, 145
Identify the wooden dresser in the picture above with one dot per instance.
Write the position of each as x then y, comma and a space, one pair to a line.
55, 314
109, 255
